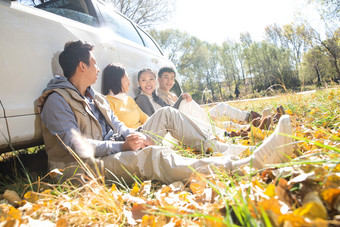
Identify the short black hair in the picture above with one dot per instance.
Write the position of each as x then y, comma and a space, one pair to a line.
167, 69
73, 53
112, 79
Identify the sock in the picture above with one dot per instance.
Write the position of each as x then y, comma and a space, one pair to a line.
274, 149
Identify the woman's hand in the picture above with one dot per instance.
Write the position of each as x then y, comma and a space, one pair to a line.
187, 97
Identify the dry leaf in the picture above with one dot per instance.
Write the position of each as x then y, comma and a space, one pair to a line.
197, 188
135, 189
31, 196
62, 222
138, 211
270, 190
55, 173
12, 197
329, 196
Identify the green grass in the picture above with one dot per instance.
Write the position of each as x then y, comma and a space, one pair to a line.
246, 197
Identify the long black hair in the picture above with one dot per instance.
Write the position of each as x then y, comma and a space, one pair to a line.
112, 79
144, 70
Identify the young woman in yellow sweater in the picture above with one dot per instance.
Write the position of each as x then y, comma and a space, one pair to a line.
115, 86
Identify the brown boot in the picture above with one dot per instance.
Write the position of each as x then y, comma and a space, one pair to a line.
255, 122
265, 123
244, 133
234, 134
281, 110
276, 117
253, 115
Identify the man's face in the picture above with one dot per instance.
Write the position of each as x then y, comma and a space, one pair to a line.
92, 70
166, 81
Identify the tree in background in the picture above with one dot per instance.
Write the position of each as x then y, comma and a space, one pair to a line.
332, 46
174, 43
295, 37
329, 11
145, 13
316, 68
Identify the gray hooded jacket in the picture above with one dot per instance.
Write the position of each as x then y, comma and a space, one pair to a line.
59, 119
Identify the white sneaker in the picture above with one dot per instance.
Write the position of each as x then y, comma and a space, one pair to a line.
276, 148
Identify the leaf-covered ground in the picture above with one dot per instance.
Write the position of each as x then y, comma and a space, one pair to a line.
302, 192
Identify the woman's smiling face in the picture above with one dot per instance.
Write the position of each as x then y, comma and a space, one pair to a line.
147, 82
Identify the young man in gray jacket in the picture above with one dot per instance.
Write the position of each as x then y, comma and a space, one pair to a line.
71, 110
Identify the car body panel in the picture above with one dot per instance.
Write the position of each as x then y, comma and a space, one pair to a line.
30, 44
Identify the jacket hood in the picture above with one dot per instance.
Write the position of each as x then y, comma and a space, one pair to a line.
59, 82
62, 82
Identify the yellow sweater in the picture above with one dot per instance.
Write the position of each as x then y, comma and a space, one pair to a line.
127, 112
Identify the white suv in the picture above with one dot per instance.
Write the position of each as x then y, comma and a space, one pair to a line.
30, 42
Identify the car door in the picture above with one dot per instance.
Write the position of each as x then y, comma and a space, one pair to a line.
30, 42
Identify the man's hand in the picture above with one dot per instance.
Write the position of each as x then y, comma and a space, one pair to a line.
135, 141
187, 97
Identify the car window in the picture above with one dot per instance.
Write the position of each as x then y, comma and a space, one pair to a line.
148, 42
119, 24
72, 9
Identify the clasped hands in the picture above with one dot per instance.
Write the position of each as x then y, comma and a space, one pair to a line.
136, 141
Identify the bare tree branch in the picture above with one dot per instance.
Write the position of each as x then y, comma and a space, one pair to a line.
146, 13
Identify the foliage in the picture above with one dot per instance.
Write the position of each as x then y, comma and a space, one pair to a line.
291, 56
316, 68
329, 10
302, 192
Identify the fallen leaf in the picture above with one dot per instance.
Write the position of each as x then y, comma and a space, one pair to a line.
62, 222
55, 173
270, 190
329, 196
12, 197
311, 210
31, 196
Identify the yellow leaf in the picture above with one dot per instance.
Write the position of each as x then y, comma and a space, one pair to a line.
319, 223
113, 188
256, 133
311, 210
244, 142
290, 112
329, 196
148, 220
62, 222
293, 220
166, 189
270, 190
197, 188
14, 213
271, 204
332, 181
31, 196
47, 192
256, 183
183, 196
134, 190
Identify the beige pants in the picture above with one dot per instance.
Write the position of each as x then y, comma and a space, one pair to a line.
224, 109
162, 163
